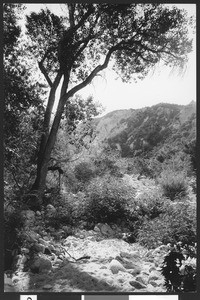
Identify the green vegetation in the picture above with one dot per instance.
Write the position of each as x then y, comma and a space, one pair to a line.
176, 224
174, 184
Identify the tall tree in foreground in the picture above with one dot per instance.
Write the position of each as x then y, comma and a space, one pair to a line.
75, 49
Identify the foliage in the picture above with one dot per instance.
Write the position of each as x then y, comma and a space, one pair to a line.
23, 108
84, 171
176, 224
177, 280
174, 184
150, 204
107, 199
190, 148
106, 163
133, 36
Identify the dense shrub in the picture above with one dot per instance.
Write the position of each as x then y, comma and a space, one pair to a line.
108, 199
178, 223
70, 210
151, 205
105, 165
84, 171
173, 184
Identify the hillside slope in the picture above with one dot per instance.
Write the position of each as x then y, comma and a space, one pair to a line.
134, 132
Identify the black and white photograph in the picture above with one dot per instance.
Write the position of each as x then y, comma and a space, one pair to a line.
99, 142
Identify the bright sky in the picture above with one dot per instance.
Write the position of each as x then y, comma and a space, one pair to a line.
161, 85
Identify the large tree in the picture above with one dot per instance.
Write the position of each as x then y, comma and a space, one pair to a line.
72, 50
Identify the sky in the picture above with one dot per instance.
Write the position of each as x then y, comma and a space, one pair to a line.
162, 84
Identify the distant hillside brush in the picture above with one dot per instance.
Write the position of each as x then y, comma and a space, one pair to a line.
173, 184
108, 199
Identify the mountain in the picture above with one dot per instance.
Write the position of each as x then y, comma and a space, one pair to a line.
139, 131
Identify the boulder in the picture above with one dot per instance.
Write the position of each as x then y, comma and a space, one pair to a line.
137, 285
47, 287
39, 247
154, 276
134, 272
107, 230
115, 266
28, 218
141, 278
153, 283
40, 265
50, 211
134, 254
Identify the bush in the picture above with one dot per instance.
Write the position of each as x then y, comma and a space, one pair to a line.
181, 276
173, 184
84, 171
150, 205
108, 200
178, 223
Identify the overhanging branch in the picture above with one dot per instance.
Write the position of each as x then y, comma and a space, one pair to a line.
92, 74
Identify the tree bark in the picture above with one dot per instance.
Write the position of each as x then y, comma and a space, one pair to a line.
49, 139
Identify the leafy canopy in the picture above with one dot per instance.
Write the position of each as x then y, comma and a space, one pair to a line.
135, 36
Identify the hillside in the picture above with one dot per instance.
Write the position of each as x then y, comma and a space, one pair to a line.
138, 131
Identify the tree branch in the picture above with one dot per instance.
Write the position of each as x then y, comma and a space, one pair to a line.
92, 74
44, 72
42, 68
71, 8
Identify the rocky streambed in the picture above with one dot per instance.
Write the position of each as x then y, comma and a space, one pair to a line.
88, 261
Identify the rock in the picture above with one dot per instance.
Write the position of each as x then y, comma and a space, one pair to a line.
20, 262
67, 230
128, 264
31, 236
40, 265
135, 271
43, 242
115, 266
103, 267
152, 269
96, 229
39, 247
38, 213
137, 285
25, 250
134, 254
106, 230
153, 283
28, 217
154, 276
47, 287
142, 279
50, 211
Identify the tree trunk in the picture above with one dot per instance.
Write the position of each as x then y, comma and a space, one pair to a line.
47, 144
